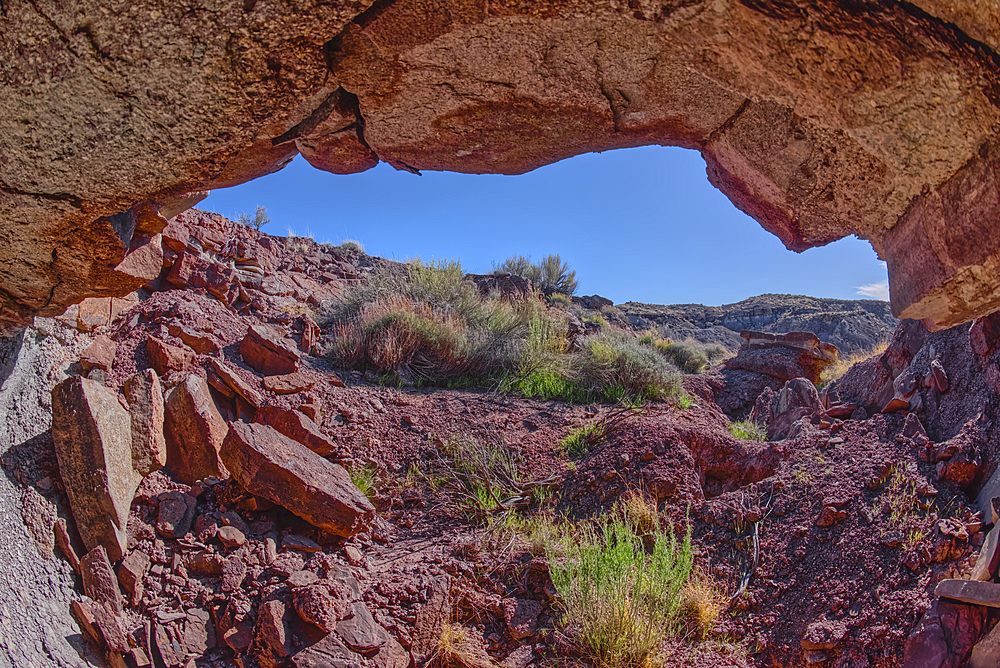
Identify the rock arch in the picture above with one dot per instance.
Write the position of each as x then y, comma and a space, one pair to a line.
819, 118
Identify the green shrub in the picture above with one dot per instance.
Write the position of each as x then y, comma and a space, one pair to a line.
716, 352
559, 299
364, 478
551, 276
748, 430
689, 357
618, 362
480, 476
578, 442
351, 247
595, 319
257, 221
619, 602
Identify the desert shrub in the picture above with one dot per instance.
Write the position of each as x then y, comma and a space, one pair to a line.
559, 299
620, 602
351, 247
613, 360
479, 476
842, 365
257, 221
551, 276
595, 319
687, 356
456, 647
716, 352
748, 430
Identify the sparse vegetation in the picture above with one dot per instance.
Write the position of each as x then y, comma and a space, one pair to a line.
351, 247
550, 276
620, 601
702, 604
257, 221
843, 365
455, 649
480, 476
364, 478
748, 430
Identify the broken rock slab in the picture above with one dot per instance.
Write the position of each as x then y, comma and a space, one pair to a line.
268, 352
164, 357
944, 636
288, 384
93, 442
194, 432
235, 382
269, 464
298, 427
145, 402
970, 591
99, 355
99, 581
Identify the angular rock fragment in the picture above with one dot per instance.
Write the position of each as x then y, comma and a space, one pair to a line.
192, 271
165, 358
298, 427
199, 632
268, 352
944, 636
234, 381
231, 536
194, 432
989, 557
235, 629
360, 631
200, 342
99, 355
329, 652
272, 628
301, 543
131, 572
323, 603
521, 616
986, 653
970, 591
94, 312
268, 464
99, 582
93, 443
394, 656
431, 618
145, 399
176, 513
66, 545
288, 384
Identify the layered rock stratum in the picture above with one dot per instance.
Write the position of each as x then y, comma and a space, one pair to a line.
819, 118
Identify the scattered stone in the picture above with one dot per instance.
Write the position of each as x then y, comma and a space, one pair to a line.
139, 658
165, 358
268, 464
191, 270
322, 603
66, 545
329, 652
297, 427
202, 343
234, 571
394, 656
206, 564
94, 312
944, 636
268, 352
176, 513
272, 628
231, 536
199, 632
236, 383
93, 444
521, 616
354, 556
302, 579
145, 399
288, 384
970, 591
235, 629
168, 642
286, 563
360, 632
131, 572
519, 658
823, 635
830, 515
99, 355
194, 432
301, 543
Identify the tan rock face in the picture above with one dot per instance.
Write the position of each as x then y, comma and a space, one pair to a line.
92, 434
145, 399
817, 118
271, 465
194, 432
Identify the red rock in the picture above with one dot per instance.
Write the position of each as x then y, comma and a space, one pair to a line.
168, 641
330, 651
268, 464
84, 614
144, 259
323, 603
830, 515
131, 572
521, 616
989, 557
202, 343
99, 355
394, 656
231, 536
300, 543
94, 312
944, 636
108, 628
165, 358
193, 271
199, 632
66, 545
938, 376
310, 410
310, 336
234, 381
99, 581
297, 427
194, 432
145, 398
234, 571
93, 444
205, 563
360, 631
272, 628
176, 513
288, 384
235, 629
784, 356
268, 352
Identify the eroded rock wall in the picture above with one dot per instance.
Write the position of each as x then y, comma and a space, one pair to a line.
819, 118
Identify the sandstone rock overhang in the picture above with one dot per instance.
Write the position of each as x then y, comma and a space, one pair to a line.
819, 118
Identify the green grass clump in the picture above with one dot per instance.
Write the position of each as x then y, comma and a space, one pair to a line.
748, 430
364, 478
579, 441
620, 603
480, 476
690, 358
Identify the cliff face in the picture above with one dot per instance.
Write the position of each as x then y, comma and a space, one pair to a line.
819, 118
851, 325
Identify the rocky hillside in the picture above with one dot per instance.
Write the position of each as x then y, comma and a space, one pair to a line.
851, 325
190, 482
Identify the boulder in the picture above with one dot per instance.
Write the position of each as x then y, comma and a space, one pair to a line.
100, 354
360, 631
268, 352
330, 652
199, 341
241, 387
145, 400
297, 426
194, 432
94, 312
797, 399
99, 582
165, 358
288, 384
193, 271
506, 286
944, 636
93, 442
271, 465
784, 356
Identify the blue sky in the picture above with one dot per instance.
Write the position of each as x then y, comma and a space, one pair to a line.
639, 224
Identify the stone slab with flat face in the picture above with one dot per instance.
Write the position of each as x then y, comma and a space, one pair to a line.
970, 591
989, 555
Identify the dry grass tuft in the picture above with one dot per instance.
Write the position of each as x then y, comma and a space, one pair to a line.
701, 606
843, 365
457, 648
